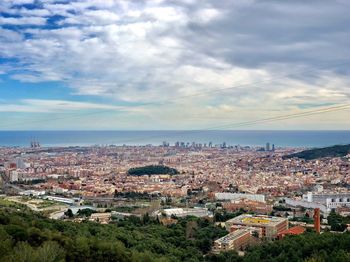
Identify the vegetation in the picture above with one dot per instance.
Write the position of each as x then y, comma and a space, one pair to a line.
135, 195
281, 208
7, 203
305, 219
333, 151
85, 212
337, 222
28, 236
123, 209
69, 213
223, 215
46, 204
309, 247
152, 170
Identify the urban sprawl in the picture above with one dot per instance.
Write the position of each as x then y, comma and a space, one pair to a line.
267, 195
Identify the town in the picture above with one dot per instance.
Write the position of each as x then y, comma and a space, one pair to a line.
253, 192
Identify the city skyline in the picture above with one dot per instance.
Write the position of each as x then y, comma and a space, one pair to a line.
174, 130
173, 65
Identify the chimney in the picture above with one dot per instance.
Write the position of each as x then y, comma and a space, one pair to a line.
317, 223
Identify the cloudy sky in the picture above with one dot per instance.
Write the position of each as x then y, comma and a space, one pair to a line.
173, 64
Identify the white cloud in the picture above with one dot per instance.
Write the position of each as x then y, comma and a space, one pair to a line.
146, 51
207, 15
49, 106
22, 20
33, 12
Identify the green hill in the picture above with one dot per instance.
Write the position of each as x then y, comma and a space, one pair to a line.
332, 151
152, 170
28, 236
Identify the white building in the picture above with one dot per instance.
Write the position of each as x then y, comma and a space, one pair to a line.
318, 188
184, 212
20, 163
35, 193
13, 176
326, 202
237, 196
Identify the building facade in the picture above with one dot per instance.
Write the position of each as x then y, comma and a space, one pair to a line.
237, 240
270, 226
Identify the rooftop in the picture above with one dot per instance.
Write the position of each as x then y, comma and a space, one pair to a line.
297, 230
232, 236
247, 219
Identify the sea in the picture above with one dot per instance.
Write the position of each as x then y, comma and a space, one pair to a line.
309, 139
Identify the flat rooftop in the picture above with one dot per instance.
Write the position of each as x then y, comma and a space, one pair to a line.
251, 220
232, 236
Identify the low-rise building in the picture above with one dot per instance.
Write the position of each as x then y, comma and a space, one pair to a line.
184, 212
297, 230
35, 193
325, 202
271, 226
237, 240
102, 218
236, 196
248, 205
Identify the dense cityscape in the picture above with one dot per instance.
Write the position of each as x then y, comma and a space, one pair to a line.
174, 131
255, 194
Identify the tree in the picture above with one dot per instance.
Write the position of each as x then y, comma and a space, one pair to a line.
22, 252
29, 236
152, 170
191, 227
50, 252
69, 213
336, 221
146, 219
86, 212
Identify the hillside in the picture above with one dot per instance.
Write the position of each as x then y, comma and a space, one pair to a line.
27, 236
332, 151
152, 170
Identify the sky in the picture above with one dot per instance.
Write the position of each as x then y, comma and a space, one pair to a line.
173, 64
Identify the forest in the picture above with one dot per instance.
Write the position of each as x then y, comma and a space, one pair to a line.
152, 170
28, 236
332, 151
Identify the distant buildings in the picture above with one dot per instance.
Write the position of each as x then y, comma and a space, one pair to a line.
248, 205
237, 196
13, 176
35, 193
69, 201
325, 202
20, 163
34, 144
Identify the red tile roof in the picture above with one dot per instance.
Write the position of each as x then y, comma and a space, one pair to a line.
297, 230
